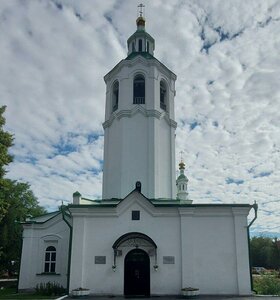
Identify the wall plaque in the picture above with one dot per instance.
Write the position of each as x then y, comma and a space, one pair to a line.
100, 260
169, 260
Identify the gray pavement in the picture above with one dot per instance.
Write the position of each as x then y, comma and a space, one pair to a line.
180, 297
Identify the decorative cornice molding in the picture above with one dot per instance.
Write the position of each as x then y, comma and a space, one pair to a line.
149, 113
141, 61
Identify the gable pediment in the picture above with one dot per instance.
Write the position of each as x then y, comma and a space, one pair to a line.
137, 200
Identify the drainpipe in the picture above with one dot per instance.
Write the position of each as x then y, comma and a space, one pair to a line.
19, 269
70, 245
255, 207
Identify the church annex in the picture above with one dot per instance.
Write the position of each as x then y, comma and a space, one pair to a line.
145, 237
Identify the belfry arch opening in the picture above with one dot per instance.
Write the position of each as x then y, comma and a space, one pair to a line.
140, 45
115, 96
163, 95
139, 89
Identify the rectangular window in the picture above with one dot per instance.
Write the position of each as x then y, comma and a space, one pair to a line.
135, 215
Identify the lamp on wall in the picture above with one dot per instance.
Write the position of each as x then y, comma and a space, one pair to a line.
156, 265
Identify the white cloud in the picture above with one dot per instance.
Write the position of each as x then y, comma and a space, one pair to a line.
55, 53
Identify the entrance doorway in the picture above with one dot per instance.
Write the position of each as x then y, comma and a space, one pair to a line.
137, 273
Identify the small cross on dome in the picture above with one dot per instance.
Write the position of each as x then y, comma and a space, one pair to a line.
181, 152
141, 7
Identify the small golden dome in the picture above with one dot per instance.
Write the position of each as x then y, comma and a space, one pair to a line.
140, 21
181, 166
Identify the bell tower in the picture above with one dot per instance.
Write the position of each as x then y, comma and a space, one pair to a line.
139, 127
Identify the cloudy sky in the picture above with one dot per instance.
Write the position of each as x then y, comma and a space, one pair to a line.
54, 54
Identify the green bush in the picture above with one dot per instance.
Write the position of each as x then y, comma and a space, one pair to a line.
267, 285
50, 289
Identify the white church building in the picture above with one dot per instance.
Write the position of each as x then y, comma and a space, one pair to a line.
144, 237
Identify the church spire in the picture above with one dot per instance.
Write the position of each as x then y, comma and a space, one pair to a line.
140, 22
141, 43
182, 182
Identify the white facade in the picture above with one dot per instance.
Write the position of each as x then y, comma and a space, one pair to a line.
140, 239
38, 235
208, 243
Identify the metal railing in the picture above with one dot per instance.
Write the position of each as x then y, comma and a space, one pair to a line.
139, 100
162, 106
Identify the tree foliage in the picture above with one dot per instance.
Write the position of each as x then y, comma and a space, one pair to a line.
6, 141
17, 202
265, 252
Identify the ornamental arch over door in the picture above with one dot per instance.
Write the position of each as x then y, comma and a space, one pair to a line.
137, 262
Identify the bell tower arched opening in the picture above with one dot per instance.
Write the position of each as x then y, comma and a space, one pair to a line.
115, 96
139, 89
163, 95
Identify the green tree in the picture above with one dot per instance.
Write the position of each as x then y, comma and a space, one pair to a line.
17, 202
265, 252
6, 141
275, 254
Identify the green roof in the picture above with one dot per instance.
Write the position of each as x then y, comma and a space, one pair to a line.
140, 33
144, 54
114, 202
182, 176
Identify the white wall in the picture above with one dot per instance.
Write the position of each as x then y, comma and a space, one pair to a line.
211, 255
36, 238
102, 232
202, 240
139, 140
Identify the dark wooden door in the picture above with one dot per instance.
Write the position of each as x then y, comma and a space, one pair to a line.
137, 273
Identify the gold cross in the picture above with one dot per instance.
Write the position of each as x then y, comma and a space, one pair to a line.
141, 6
181, 152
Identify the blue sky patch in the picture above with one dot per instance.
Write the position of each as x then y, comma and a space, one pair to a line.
64, 148
235, 181
263, 174
193, 125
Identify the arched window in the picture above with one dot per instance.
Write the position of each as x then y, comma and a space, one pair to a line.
148, 46
50, 260
140, 45
139, 90
115, 102
163, 95
133, 47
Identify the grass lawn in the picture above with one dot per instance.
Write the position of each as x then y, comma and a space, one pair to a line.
11, 293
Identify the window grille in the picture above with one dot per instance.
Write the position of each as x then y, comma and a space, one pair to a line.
50, 260
139, 90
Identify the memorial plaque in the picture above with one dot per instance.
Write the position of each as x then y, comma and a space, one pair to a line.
100, 260
169, 260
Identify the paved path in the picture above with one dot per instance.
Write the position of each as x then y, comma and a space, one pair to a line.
176, 298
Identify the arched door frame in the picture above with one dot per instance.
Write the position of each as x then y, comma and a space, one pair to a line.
137, 273
135, 238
